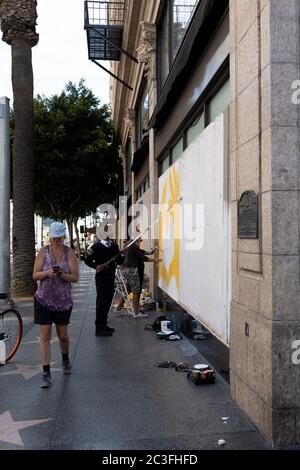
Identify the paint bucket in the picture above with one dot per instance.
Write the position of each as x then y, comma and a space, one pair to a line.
200, 367
166, 326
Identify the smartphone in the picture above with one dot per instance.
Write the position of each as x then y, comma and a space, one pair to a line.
56, 268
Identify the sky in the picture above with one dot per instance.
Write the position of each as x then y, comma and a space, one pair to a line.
61, 53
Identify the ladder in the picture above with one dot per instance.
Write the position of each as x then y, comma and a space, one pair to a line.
121, 290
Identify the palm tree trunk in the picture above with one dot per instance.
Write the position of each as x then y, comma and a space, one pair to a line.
70, 227
75, 221
18, 21
23, 218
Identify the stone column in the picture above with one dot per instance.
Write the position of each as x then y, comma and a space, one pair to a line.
147, 56
264, 156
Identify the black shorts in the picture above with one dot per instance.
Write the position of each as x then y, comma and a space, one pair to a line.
44, 316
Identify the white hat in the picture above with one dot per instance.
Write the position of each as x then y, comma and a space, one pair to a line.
57, 230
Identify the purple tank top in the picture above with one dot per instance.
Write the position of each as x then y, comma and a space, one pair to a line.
55, 293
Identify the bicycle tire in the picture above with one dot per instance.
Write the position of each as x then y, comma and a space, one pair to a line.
11, 322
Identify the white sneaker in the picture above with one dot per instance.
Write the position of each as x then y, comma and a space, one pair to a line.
141, 315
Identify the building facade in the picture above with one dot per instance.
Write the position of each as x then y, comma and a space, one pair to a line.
210, 130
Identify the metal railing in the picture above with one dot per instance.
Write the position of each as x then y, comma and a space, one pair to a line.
109, 14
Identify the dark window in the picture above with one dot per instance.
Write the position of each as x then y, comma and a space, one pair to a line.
142, 118
173, 24
142, 188
219, 101
182, 12
128, 165
195, 128
164, 48
146, 184
210, 107
177, 150
164, 164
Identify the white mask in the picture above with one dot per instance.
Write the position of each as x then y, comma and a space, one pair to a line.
106, 243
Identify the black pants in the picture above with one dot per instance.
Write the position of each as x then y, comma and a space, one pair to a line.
105, 292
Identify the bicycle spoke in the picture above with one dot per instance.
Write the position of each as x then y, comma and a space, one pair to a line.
11, 327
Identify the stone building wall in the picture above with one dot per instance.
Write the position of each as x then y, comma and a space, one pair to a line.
264, 156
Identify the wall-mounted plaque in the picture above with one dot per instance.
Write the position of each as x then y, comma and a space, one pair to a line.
248, 215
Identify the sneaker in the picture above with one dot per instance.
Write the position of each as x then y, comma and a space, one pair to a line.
140, 315
117, 308
46, 380
66, 367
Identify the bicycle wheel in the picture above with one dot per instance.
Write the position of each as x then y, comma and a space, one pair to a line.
11, 326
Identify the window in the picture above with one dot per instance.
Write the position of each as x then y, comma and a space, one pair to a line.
210, 107
219, 102
195, 128
128, 164
164, 164
176, 151
172, 27
182, 12
142, 188
138, 193
146, 184
142, 118
164, 62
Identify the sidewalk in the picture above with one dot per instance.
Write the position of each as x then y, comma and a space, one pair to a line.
115, 398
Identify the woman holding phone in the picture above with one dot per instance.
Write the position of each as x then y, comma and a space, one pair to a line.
55, 268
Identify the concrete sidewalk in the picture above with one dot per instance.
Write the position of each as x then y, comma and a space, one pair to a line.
115, 398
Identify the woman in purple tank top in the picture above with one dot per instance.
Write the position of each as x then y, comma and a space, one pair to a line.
55, 268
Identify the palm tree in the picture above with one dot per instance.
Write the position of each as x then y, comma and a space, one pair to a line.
18, 20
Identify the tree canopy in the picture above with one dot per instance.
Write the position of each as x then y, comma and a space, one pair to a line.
76, 164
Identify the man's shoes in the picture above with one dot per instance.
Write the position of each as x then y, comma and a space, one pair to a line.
105, 329
140, 315
46, 380
66, 367
108, 328
103, 332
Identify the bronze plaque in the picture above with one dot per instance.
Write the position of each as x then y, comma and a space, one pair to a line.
248, 215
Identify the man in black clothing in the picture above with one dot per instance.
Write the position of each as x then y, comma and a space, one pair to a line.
97, 258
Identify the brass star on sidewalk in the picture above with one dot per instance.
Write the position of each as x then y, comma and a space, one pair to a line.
28, 371
9, 429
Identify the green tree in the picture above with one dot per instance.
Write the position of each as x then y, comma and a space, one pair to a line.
18, 20
75, 154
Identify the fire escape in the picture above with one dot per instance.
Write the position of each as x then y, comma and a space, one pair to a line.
104, 25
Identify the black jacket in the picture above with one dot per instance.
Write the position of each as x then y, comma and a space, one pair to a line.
100, 254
